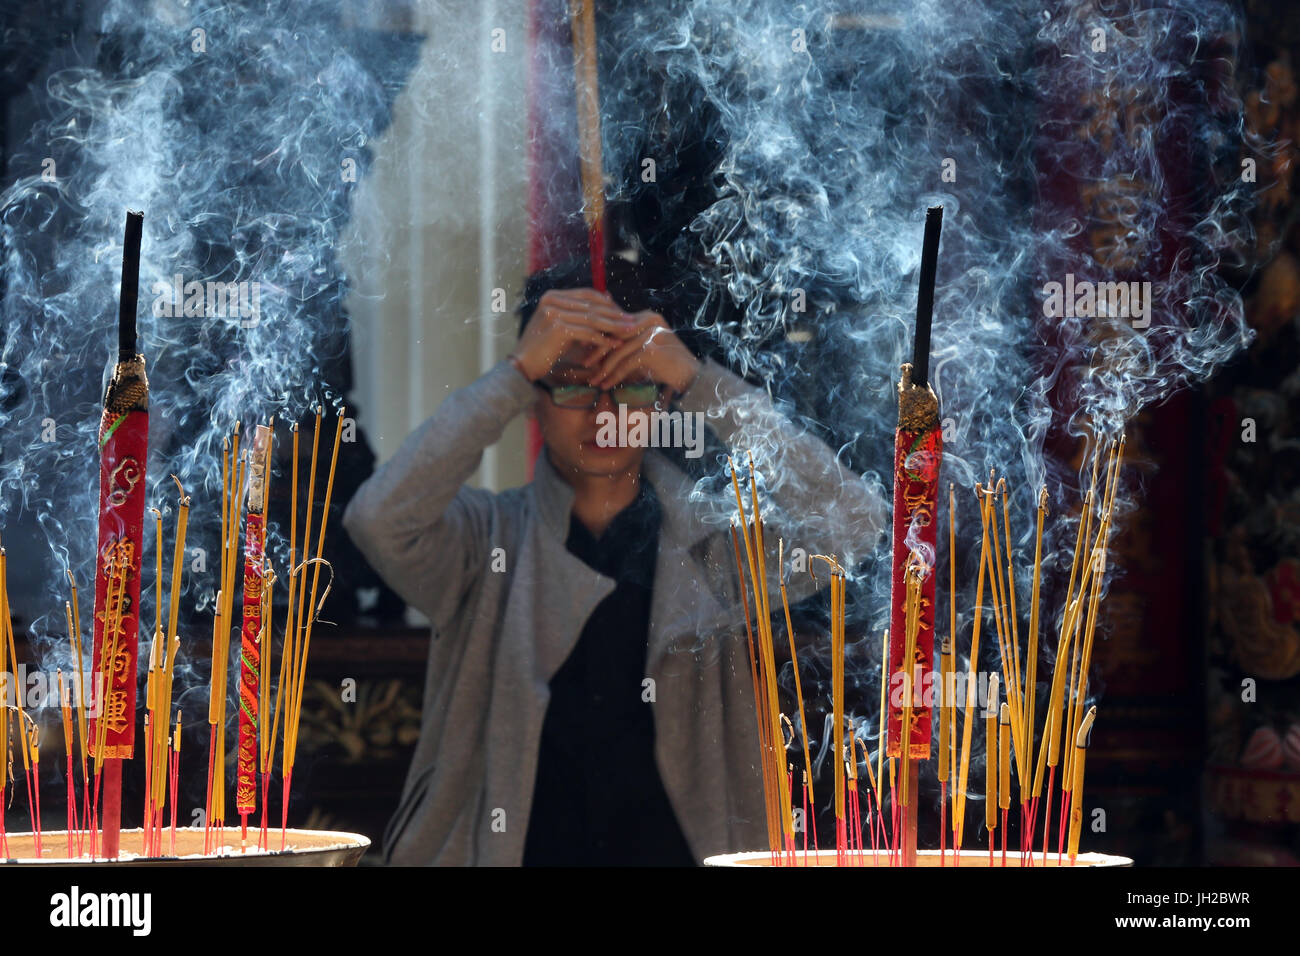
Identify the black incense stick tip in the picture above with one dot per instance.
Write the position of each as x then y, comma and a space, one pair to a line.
925, 296
130, 293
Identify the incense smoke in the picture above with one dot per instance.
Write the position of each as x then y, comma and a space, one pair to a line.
832, 130
232, 126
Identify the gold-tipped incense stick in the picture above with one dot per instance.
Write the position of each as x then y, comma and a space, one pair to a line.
959, 817
794, 662
1004, 756
760, 694
296, 713
884, 712
1031, 676
770, 770
1081, 741
991, 759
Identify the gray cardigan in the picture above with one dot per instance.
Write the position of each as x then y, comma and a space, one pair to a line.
500, 635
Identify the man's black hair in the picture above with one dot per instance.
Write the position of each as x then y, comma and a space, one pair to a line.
575, 274
635, 287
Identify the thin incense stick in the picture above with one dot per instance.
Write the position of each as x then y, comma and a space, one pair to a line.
794, 659
759, 693
1081, 741
771, 798
959, 817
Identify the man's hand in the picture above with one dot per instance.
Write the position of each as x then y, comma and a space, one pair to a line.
649, 350
565, 318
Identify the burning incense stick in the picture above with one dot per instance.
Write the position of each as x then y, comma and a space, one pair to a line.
770, 774
794, 660
767, 649
239, 465
837, 622
283, 695
1029, 796
1081, 741
1086, 567
582, 19
73, 608
265, 741
151, 701
297, 677
1060, 663
296, 713
1002, 611
759, 692
250, 634
959, 816
34, 780
1013, 631
171, 645
175, 777
1095, 576
223, 618
855, 811
991, 762
266, 734
65, 706
123, 449
947, 683
918, 452
1004, 770
1031, 678
303, 606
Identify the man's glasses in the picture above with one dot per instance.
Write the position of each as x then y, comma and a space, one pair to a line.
633, 395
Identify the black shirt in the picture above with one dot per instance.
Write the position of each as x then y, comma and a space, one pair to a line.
598, 799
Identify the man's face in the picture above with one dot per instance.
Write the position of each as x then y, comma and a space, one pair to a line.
570, 433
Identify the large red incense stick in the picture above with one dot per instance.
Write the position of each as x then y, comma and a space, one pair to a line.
123, 450
918, 452
250, 654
